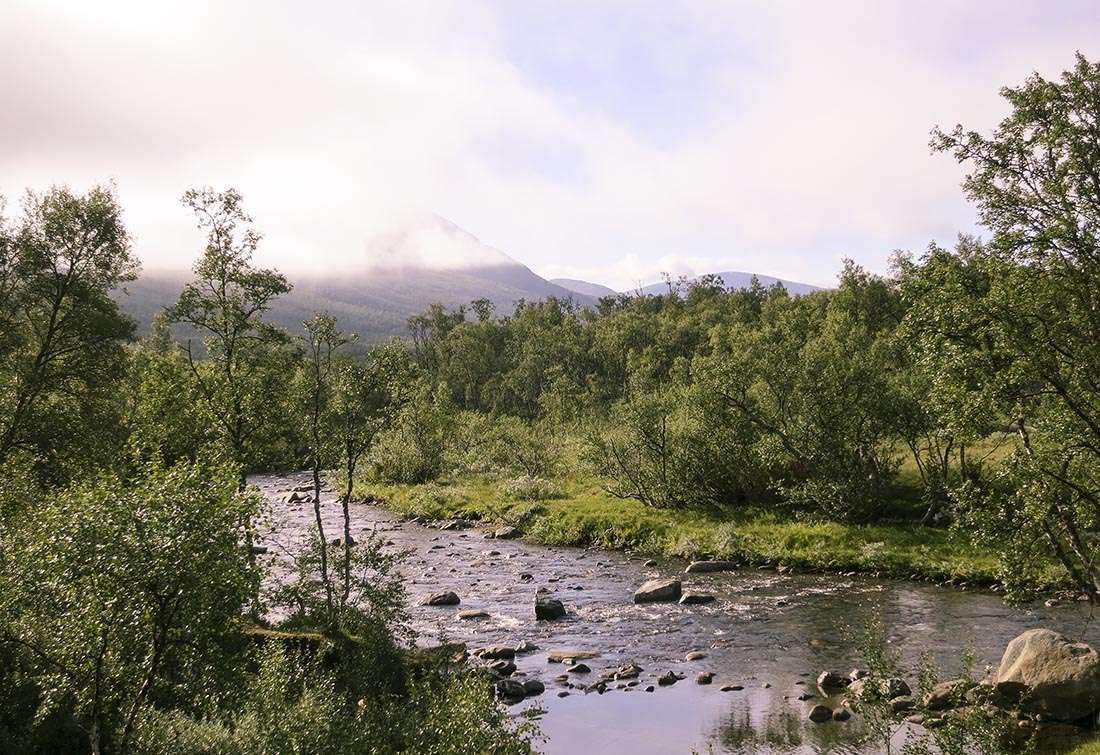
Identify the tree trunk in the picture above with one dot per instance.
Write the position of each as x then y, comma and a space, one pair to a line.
321, 535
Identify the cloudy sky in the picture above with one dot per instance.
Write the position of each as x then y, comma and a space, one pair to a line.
602, 140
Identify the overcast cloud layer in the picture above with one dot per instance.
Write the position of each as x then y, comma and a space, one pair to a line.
601, 140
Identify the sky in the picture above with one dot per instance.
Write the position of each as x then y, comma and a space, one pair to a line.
609, 141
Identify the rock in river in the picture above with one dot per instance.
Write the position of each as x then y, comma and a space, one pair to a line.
658, 590
506, 533
832, 680
547, 608
473, 613
819, 714
510, 691
495, 652
446, 598
570, 656
947, 695
704, 567
1062, 677
533, 687
695, 598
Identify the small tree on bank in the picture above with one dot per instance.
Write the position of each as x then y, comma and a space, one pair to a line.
225, 304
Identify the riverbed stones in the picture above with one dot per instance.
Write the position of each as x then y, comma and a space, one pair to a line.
946, 695
472, 614
456, 524
570, 656
533, 687
503, 667
841, 714
832, 680
444, 598
695, 655
1062, 676
819, 714
509, 690
523, 647
707, 567
705, 677
668, 678
658, 591
888, 689
695, 598
548, 609
732, 688
496, 652
505, 533
579, 668
902, 703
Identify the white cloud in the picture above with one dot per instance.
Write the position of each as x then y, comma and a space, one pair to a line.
809, 141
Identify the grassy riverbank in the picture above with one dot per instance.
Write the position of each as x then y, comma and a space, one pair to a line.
583, 514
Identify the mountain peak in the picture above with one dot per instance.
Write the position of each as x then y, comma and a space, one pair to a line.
429, 241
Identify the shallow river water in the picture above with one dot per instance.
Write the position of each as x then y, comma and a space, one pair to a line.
767, 632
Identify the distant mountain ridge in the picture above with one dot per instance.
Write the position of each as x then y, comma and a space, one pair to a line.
731, 279
428, 260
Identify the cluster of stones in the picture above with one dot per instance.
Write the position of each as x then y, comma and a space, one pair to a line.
1044, 681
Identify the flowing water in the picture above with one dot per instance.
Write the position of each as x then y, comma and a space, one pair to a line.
769, 633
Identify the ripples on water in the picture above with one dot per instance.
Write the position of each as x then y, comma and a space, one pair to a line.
750, 639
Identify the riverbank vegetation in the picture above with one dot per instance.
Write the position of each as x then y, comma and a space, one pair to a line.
941, 422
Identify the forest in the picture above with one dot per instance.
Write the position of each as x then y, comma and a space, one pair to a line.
948, 411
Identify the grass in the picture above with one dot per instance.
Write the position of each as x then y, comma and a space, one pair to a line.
583, 514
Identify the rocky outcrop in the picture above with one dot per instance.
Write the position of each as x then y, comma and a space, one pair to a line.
1062, 677
658, 590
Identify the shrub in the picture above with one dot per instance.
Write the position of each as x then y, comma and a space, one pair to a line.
528, 488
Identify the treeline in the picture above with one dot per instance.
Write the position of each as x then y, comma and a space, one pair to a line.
973, 370
134, 610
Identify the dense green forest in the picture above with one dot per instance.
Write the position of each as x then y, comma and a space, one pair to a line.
955, 401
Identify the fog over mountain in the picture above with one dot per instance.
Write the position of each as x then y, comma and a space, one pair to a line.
423, 259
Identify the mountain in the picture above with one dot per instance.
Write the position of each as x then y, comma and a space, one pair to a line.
733, 280
401, 273
584, 287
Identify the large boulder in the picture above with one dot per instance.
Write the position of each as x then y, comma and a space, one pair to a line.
445, 598
547, 608
658, 590
1062, 676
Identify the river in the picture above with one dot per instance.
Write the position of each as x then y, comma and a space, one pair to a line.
766, 632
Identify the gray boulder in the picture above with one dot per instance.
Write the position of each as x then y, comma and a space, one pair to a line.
658, 590
1062, 676
509, 690
548, 609
819, 714
445, 598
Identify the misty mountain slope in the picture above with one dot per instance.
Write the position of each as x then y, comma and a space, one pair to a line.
375, 305
424, 259
584, 287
